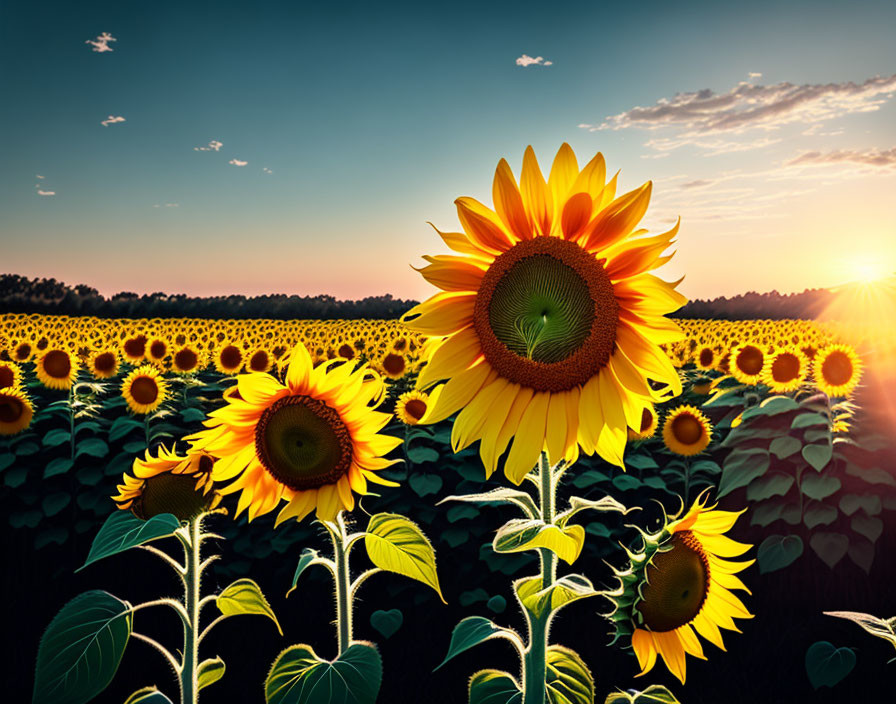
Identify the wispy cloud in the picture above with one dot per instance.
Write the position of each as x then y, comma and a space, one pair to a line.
101, 43
45, 193
745, 107
237, 162
754, 75
713, 146
525, 61
39, 176
267, 170
167, 205
877, 158
212, 146
111, 120
39, 187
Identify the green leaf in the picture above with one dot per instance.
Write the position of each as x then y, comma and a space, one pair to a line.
807, 420
869, 503
494, 687
192, 415
460, 513
93, 447
7, 460
577, 503
868, 526
785, 446
771, 406
299, 676
396, 544
425, 484
15, 477
58, 466
654, 694
306, 559
872, 475
775, 484
523, 534
420, 455
123, 531
778, 551
474, 630
148, 695
819, 514
626, 482
388, 622
497, 604
500, 496
641, 461
741, 467
244, 597
568, 680
589, 477
819, 486
882, 628
54, 503
210, 671
565, 590
56, 437
830, 547
471, 596
27, 448
818, 455
122, 426
827, 665
81, 649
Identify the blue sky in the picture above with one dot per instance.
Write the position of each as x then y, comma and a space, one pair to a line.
358, 123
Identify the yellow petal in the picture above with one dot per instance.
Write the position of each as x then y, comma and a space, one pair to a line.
529, 438
443, 314
509, 202
457, 393
536, 197
642, 644
564, 172
555, 432
451, 357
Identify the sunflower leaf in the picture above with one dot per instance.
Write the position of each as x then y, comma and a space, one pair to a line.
654, 694
123, 531
395, 544
882, 628
523, 534
568, 680
148, 695
209, 672
474, 630
244, 597
494, 687
500, 496
300, 676
577, 503
565, 590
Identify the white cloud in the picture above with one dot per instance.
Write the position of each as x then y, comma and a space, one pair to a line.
39, 176
267, 170
213, 146
713, 146
745, 107
111, 120
877, 158
167, 205
525, 60
45, 193
754, 75
101, 43
237, 162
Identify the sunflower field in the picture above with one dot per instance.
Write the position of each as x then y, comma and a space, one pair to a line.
537, 434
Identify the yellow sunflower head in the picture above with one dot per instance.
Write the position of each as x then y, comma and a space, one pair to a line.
259, 360
169, 483
411, 407
786, 370
103, 363
706, 357
57, 368
648, 426
144, 389
133, 349
187, 359
23, 351
394, 365
311, 441
16, 411
679, 585
837, 370
550, 322
157, 349
746, 363
10, 375
229, 357
686, 431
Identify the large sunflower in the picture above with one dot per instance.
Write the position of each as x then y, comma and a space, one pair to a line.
16, 411
10, 375
310, 442
57, 369
837, 370
169, 483
679, 583
687, 431
550, 324
786, 371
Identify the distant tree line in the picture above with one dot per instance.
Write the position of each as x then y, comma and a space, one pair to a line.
19, 294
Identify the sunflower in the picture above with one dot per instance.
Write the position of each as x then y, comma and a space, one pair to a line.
786, 371
310, 442
394, 365
706, 357
746, 363
144, 389
679, 585
411, 407
186, 359
837, 370
16, 411
157, 350
57, 369
103, 363
686, 431
133, 349
169, 483
10, 375
551, 323
260, 360
648, 426
23, 351
228, 358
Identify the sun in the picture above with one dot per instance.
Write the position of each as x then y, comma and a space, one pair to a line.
868, 269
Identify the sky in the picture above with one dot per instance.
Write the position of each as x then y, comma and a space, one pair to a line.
279, 147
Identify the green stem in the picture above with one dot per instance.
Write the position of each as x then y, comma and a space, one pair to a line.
343, 584
146, 430
534, 657
189, 680
687, 481
71, 420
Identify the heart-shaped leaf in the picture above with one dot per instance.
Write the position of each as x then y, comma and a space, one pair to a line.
565, 590
830, 547
396, 544
567, 680
148, 695
827, 665
425, 484
123, 531
299, 676
474, 630
523, 534
494, 687
778, 551
210, 671
387, 622
818, 455
244, 597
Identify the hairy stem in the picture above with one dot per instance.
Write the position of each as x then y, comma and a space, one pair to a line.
189, 681
342, 578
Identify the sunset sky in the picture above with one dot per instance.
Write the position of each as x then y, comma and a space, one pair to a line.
272, 147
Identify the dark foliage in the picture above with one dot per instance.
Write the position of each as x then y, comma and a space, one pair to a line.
765, 306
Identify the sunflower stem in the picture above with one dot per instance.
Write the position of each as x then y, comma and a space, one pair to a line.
687, 480
189, 680
342, 578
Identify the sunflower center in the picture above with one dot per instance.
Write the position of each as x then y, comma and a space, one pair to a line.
57, 364
231, 357
144, 390
393, 364
158, 349
23, 351
687, 429
676, 584
7, 377
837, 368
546, 314
415, 408
136, 346
104, 362
303, 443
185, 359
646, 420
11, 409
749, 360
346, 351
258, 362
170, 493
785, 367
706, 356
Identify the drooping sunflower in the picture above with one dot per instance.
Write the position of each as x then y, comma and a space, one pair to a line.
678, 585
837, 370
786, 371
57, 368
169, 483
648, 426
229, 358
144, 389
550, 323
10, 375
103, 363
686, 431
16, 411
411, 407
746, 363
311, 442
